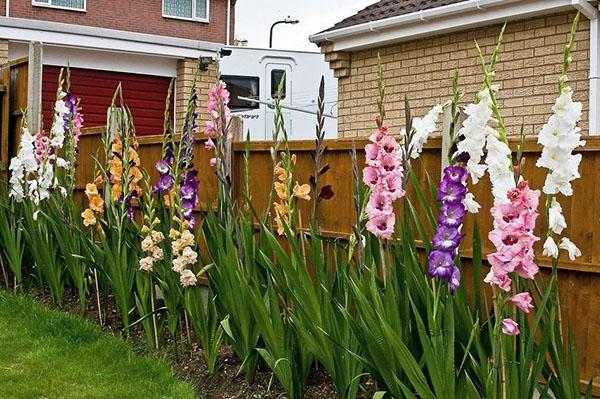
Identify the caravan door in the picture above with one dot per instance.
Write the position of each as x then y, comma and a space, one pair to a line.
275, 73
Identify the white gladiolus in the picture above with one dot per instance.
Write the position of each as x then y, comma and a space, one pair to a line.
570, 247
188, 278
21, 166
470, 204
500, 169
146, 264
560, 136
475, 130
556, 220
423, 128
30, 179
550, 248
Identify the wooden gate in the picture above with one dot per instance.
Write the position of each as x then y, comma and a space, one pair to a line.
13, 90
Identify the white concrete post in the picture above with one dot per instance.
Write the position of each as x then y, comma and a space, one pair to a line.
34, 87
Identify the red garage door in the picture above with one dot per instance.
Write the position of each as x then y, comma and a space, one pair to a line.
145, 95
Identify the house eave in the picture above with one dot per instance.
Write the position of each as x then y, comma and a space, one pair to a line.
460, 16
68, 35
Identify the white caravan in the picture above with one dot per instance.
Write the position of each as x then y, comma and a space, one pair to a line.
255, 74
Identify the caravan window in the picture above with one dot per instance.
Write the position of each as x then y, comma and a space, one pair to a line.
242, 86
277, 75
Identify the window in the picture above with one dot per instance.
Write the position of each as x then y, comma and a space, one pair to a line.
242, 86
277, 75
77, 5
196, 10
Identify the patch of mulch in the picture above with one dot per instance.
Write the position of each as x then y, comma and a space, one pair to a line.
187, 359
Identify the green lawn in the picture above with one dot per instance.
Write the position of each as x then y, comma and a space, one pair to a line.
47, 354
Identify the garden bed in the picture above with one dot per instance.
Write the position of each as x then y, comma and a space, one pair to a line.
188, 362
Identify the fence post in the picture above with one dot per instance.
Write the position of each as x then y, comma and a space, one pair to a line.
34, 87
447, 121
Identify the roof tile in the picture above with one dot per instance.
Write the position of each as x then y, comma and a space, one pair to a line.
390, 8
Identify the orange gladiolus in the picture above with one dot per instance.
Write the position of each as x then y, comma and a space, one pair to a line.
302, 191
89, 218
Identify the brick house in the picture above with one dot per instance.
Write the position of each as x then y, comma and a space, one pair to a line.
140, 43
422, 43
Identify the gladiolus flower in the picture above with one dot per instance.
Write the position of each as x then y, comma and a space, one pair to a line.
382, 226
146, 264
522, 301
188, 278
89, 218
302, 191
510, 327
570, 247
550, 248
383, 175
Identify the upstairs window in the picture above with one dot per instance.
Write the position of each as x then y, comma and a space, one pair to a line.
77, 5
194, 10
242, 86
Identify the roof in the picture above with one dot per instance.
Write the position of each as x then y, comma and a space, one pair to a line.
390, 8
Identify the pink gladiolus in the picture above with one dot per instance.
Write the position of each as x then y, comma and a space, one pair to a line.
510, 327
209, 144
382, 226
371, 177
522, 301
379, 205
383, 175
217, 107
513, 237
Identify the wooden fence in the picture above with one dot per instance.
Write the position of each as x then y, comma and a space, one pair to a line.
579, 280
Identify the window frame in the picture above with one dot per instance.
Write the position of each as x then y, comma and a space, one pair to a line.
192, 19
38, 3
242, 109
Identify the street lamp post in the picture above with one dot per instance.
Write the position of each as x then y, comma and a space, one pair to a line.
288, 20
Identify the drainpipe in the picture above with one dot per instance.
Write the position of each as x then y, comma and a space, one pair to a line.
7, 8
594, 100
227, 42
591, 13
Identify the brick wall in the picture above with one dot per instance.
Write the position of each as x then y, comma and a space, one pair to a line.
3, 51
529, 65
185, 76
143, 16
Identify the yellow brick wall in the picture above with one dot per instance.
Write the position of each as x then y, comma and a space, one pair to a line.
529, 65
3, 52
186, 69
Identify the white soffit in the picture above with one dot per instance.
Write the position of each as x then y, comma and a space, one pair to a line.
67, 35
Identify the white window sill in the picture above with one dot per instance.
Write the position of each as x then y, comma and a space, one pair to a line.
42, 5
200, 20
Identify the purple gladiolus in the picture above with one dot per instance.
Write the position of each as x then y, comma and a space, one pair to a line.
164, 184
446, 238
454, 280
441, 264
452, 215
452, 192
455, 174
162, 166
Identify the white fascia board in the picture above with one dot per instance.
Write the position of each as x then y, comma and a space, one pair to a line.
26, 30
436, 21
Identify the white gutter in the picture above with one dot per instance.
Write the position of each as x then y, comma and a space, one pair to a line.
67, 35
7, 8
227, 42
